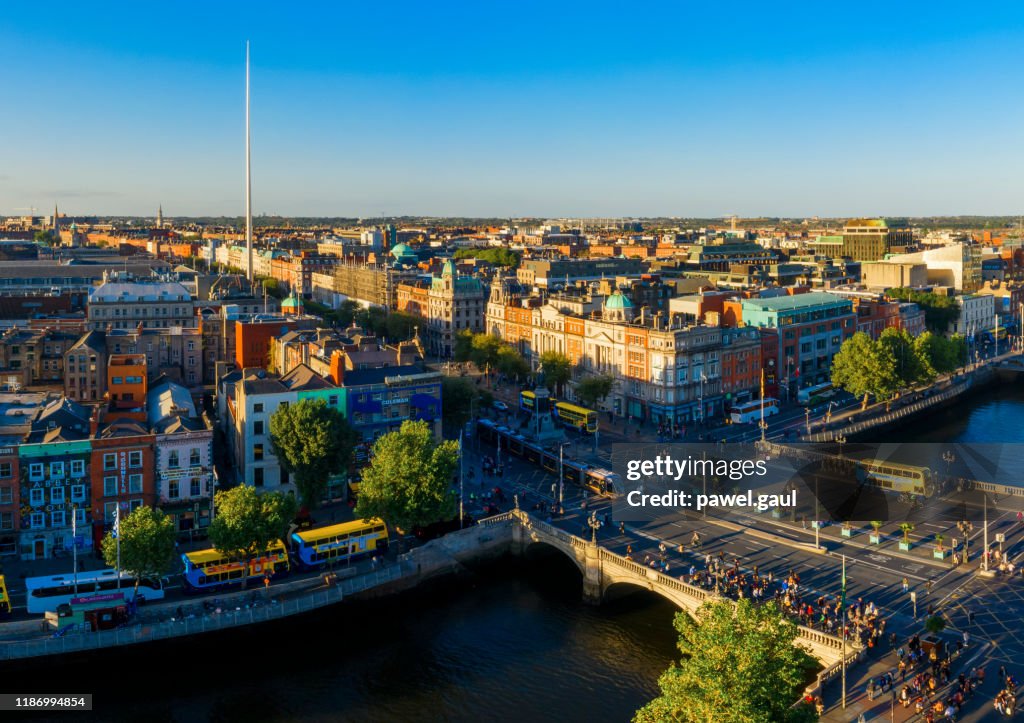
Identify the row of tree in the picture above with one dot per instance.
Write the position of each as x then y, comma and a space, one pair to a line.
895, 361
499, 256
939, 311
407, 483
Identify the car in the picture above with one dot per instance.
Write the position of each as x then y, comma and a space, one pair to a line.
500, 405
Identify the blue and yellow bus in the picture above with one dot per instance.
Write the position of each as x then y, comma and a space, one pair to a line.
342, 542
213, 570
580, 418
527, 401
5, 599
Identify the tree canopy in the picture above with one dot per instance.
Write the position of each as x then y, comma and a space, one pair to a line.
488, 351
499, 256
312, 442
557, 370
942, 354
408, 482
147, 543
939, 311
864, 367
739, 664
593, 389
457, 395
247, 522
912, 366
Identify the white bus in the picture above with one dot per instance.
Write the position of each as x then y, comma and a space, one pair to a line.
906, 479
750, 412
809, 395
44, 594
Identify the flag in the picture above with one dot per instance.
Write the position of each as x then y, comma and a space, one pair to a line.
117, 520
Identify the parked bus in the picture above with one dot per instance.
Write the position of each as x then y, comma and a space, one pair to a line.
750, 412
342, 542
904, 479
581, 418
527, 401
212, 570
5, 599
44, 594
815, 394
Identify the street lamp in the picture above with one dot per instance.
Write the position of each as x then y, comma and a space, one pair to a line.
561, 475
807, 418
594, 524
841, 440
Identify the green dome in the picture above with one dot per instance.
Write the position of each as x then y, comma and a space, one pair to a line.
448, 269
618, 301
401, 250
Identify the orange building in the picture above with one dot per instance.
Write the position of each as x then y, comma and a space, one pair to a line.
126, 383
252, 337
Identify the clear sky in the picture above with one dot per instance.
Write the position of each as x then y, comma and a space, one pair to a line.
519, 108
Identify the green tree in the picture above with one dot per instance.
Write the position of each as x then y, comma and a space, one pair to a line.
935, 624
457, 397
46, 237
512, 364
739, 664
942, 355
373, 319
346, 313
593, 389
499, 256
557, 370
912, 366
312, 442
147, 544
400, 325
462, 350
863, 367
247, 522
408, 481
485, 350
939, 311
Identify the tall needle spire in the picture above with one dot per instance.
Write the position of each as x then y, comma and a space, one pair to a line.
248, 170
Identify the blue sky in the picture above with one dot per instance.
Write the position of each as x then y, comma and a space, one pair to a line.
596, 109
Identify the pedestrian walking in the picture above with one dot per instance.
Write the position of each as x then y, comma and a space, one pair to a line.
906, 584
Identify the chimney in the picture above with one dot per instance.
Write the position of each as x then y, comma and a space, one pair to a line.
337, 368
94, 423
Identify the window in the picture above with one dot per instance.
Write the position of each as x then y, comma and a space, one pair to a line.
109, 486
37, 496
57, 495
257, 452
258, 407
257, 427
78, 493
172, 489
78, 468
134, 504
194, 490
108, 511
109, 461
6, 495
57, 518
35, 471
38, 520
332, 400
135, 459
5, 470
6, 520
257, 477
56, 469
172, 459
195, 458
80, 516
191, 346
117, 380
135, 483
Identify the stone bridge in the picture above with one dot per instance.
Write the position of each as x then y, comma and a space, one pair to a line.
602, 568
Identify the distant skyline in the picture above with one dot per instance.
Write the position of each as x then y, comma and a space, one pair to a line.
899, 109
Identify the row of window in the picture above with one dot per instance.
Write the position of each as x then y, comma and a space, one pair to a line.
133, 483
37, 495
60, 518
195, 457
174, 489
36, 470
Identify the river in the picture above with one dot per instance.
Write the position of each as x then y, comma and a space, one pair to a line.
509, 643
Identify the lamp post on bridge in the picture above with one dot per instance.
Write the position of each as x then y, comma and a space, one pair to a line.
594, 524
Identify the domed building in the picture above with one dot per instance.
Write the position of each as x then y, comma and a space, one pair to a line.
618, 307
404, 255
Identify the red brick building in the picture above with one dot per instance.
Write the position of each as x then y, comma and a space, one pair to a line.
121, 470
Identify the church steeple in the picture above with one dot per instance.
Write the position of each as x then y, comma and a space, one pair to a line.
160, 216
56, 223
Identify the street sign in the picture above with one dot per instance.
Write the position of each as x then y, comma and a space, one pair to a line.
1000, 537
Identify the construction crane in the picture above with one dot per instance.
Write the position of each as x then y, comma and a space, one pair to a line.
33, 209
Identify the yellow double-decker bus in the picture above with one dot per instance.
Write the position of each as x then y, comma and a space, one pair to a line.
344, 541
904, 479
581, 418
5, 599
211, 569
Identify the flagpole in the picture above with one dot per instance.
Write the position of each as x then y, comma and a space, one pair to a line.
74, 545
460, 480
117, 538
843, 623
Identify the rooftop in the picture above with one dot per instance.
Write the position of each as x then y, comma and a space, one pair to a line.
796, 302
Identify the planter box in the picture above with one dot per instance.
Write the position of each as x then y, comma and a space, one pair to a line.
940, 554
777, 514
847, 532
875, 539
905, 546
817, 525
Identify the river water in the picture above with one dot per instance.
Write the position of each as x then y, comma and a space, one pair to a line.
509, 643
